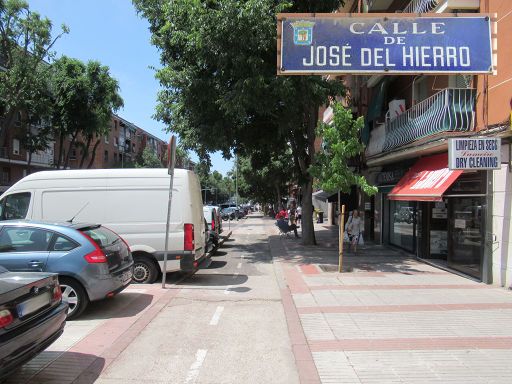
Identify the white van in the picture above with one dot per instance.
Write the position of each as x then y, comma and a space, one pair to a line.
132, 202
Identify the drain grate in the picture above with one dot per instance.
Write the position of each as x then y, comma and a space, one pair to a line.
334, 268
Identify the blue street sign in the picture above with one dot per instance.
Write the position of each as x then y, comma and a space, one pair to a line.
385, 44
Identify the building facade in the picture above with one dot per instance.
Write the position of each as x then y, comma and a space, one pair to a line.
122, 147
465, 225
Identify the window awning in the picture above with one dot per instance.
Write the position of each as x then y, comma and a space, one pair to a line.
427, 180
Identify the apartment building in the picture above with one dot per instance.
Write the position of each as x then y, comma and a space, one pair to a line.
120, 148
408, 122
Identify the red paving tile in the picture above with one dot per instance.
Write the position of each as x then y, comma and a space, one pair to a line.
294, 280
434, 343
397, 286
85, 361
303, 357
309, 269
403, 308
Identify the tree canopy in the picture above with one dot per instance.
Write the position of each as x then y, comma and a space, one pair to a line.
84, 96
221, 91
341, 144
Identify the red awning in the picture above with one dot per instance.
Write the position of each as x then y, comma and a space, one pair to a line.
427, 180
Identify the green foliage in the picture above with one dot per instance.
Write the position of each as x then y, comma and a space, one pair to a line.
220, 88
84, 97
341, 143
25, 44
149, 160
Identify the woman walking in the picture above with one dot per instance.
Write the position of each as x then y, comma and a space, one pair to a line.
355, 228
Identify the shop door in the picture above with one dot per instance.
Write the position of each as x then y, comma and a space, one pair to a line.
467, 215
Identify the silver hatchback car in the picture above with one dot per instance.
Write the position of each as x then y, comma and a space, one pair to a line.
92, 261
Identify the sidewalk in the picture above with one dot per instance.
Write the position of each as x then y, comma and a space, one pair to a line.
390, 318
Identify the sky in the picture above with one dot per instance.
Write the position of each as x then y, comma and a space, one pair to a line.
111, 32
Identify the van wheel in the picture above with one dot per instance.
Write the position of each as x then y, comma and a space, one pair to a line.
144, 271
75, 295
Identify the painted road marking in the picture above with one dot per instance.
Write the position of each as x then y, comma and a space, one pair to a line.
235, 275
239, 265
242, 257
216, 316
227, 290
193, 371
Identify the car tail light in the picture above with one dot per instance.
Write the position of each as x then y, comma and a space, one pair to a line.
188, 237
57, 293
213, 224
6, 318
96, 256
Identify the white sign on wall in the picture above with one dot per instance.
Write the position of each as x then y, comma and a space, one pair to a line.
474, 153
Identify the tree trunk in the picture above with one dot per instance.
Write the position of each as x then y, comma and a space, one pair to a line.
85, 153
93, 155
29, 162
70, 148
278, 197
61, 145
308, 228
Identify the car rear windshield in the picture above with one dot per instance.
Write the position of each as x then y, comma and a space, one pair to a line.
101, 235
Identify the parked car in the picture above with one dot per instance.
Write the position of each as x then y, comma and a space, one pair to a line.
132, 202
93, 262
212, 224
228, 213
32, 316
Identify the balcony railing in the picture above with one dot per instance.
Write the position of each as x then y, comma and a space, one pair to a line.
421, 6
450, 110
42, 158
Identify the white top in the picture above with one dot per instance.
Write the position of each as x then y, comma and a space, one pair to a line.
355, 226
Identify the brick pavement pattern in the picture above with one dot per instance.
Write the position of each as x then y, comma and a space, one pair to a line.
393, 319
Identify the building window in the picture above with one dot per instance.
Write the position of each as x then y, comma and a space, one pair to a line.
72, 155
15, 146
106, 139
115, 157
133, 148
116, 141
6, 177
105, 156
115, 125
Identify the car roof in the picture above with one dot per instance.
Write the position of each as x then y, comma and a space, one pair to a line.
50, 224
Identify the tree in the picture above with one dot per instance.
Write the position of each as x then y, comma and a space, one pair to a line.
341, 141
149, 160
25, 48
85, 95
221, 91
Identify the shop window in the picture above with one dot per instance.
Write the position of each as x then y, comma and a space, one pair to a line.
402, 220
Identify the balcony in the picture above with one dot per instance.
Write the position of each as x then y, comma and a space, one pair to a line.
441, 6
421, 6
42, 158
450, 110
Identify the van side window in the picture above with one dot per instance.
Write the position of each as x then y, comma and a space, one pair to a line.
14, 206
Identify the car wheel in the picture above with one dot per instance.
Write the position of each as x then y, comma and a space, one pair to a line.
75, 295
144, 271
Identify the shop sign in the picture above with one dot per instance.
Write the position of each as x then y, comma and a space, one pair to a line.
387, 43
474, 153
